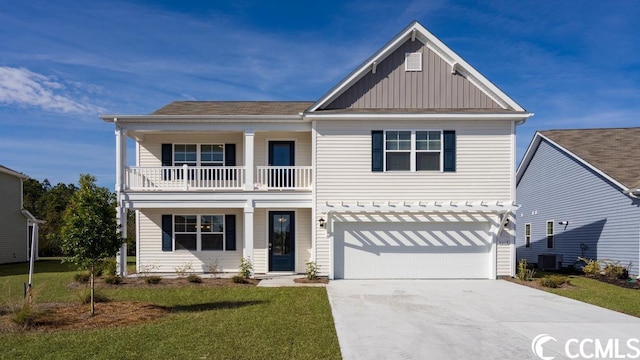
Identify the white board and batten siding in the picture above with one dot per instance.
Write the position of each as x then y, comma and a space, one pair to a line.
150, 254
13, 225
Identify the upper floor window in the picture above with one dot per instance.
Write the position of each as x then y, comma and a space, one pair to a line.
527, 235
410, 150
550, 234
198, 155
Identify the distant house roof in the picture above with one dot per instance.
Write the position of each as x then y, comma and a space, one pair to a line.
612, 151
234, 108
6, 170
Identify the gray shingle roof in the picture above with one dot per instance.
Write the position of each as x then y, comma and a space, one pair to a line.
614, 151
234, 108
6, 170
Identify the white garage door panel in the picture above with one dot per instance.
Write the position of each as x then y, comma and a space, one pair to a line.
412, 251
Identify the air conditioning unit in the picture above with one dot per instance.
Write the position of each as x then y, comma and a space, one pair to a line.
549, 262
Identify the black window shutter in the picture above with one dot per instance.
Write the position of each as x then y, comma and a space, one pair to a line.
449, 150
377, 150
229, 154
230, 231
167, 232
167, 154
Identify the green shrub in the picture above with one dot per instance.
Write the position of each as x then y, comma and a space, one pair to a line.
153, 279
82, 278
193, 278
98, 297
238, 279
108, 267
312, 270
524, 273
246, 268
592, 267
553, 281
24, 315
613, 270
113, 279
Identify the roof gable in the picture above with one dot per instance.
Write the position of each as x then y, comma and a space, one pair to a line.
353, 88
6, 170
610, 152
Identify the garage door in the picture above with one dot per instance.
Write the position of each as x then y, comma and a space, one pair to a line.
412, 250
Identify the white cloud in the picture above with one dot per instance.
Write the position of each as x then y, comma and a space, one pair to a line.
22, 87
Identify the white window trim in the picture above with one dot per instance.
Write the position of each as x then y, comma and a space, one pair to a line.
406, 61
199, 232
198, 153
413, 151
546, 230
527, 238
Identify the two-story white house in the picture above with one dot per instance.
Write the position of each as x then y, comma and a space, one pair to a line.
404, 169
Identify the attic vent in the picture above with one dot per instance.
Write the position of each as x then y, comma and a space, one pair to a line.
413, 61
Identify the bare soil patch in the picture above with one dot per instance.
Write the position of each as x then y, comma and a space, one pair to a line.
619, 282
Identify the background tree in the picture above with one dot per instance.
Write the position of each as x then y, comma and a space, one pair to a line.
89, 230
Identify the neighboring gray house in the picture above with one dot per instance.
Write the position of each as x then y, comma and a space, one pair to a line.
579, 193
16, 224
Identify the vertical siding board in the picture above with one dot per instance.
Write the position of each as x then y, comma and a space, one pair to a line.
556, 187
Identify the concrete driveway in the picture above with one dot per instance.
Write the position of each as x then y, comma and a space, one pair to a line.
471, 319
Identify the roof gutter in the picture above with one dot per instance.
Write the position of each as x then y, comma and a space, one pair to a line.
198, 118
422, 116
634, 193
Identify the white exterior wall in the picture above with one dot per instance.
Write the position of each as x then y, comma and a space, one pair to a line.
343, 171
302, 146
150, 252
13, 225
151, 146
504, 261
483, 163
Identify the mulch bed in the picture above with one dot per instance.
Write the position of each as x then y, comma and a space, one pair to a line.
536, 285
304, 280
618, 282
74, 316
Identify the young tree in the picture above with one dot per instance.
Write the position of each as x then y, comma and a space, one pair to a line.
89, 229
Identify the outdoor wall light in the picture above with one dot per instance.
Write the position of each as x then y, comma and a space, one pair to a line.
566, 222
322, 222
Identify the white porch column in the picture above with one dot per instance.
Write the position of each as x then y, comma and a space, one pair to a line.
248, 159
121, 212
247, 241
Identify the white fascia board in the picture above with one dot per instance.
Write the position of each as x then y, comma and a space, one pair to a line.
434, 44
360, 71
423, 116
199, 118
13, 173
528, 157
220, 126
531, 149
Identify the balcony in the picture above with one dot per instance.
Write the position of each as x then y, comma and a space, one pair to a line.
214, 178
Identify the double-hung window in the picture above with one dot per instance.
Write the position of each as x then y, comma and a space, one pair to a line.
198, 155
413, 150
198, 232
550, 234
527, 235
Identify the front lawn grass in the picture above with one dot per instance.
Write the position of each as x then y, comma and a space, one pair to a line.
205, 323
598, 293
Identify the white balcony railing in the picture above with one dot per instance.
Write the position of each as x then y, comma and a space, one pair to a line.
284, 177
185, 178
217, 178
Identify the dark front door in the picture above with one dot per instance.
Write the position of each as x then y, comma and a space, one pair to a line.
281, 153
281, 241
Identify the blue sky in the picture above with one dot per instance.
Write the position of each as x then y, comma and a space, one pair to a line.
575, 64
